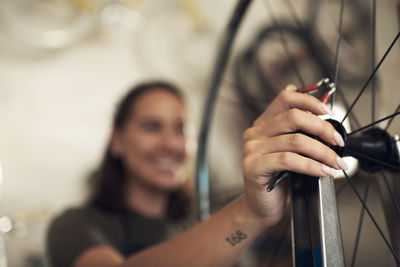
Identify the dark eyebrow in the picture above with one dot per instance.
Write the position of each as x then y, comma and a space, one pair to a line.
148, 118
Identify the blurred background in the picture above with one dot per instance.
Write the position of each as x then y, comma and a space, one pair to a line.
65, 63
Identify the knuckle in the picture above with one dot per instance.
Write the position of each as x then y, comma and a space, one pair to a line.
293, 115
284, 158
249, 147
247, 134
296, 140
309, 165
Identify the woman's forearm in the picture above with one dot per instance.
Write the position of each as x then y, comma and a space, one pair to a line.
218, 241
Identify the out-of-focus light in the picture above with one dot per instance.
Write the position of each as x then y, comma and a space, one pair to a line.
5, 224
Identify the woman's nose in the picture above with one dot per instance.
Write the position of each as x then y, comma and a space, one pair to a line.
173, 141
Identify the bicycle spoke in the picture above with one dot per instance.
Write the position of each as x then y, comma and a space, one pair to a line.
337, 53
372, 218
373, 105
391, 119
374, 123
360, 223
371, 76
358, 155
286, 45
347, 106
394, 201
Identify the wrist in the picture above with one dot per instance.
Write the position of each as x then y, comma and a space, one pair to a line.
256, 222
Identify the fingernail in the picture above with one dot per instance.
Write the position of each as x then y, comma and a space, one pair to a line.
338, 139
291, 87
329, 171
327, 109
342, 164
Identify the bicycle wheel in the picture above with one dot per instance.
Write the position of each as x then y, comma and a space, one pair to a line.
310, 209
376, 149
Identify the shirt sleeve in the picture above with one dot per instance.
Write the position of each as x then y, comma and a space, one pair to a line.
68, 236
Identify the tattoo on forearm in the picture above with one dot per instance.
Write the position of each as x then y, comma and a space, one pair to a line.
236, 238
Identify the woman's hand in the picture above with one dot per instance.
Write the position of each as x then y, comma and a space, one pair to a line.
273, 145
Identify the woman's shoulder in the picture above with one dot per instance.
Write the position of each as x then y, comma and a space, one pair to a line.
78, 225
79, 215
73, 231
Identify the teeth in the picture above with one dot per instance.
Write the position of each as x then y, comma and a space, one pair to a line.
167, 164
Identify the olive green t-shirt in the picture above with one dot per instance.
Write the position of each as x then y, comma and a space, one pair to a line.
76, 230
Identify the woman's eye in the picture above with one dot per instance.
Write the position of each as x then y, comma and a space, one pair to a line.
180, 129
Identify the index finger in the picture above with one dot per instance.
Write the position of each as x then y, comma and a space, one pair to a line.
289, 99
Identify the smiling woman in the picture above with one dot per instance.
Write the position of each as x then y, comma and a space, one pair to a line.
140, 190
140, 187
152, 143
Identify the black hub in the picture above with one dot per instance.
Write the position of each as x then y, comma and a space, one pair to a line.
374, 148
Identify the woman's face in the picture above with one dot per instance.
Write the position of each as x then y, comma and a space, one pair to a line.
152, 142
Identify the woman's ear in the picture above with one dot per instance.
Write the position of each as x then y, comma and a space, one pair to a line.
115, 144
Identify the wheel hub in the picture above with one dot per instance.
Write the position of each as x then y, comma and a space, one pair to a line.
375, 149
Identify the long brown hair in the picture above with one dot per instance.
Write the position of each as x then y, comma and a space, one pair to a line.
110, 178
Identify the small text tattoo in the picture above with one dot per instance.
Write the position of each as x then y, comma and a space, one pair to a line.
236, 238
